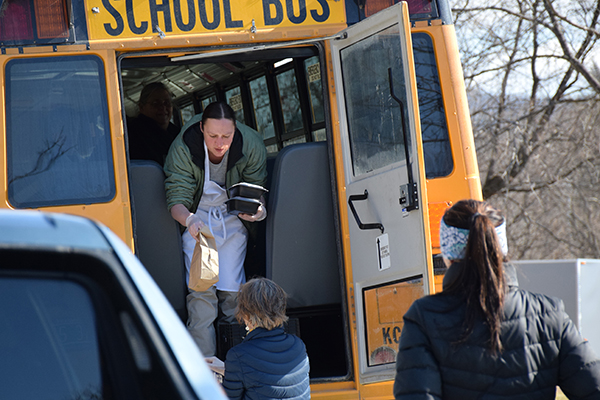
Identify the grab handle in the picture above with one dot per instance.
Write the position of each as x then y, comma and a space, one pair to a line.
359, 197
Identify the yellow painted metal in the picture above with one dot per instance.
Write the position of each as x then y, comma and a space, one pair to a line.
341, 192
464, 181
50, 49
120, 20
438, 281
415, 118
3, 177
221, 39
116, 213
377, 391
345, 390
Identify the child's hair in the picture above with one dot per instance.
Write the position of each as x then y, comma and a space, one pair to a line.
481, 280
262, 302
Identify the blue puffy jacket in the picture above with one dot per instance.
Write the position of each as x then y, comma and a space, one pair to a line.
267, 365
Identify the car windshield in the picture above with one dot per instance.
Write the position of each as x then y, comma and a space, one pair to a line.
48, 341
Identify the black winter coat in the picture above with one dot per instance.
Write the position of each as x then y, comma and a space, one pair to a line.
267, 365
542, 349
147, 140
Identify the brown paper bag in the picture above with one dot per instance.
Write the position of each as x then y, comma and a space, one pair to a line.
204, 269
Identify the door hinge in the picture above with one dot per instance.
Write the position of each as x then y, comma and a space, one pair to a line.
409, 197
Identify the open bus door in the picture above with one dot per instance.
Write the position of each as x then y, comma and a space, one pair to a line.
381, 174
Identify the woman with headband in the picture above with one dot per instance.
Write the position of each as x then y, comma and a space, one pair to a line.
484, 338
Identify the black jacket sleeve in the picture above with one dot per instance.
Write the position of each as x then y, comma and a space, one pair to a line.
417, 371
579, 370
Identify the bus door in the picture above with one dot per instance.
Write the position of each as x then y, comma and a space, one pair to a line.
382, 176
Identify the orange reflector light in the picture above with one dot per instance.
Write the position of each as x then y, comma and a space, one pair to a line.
419, 6
15, 21
51, 19
374, 6
436, 212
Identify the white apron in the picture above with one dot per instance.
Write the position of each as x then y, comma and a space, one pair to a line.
230, 234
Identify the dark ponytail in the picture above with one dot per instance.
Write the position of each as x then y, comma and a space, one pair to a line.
218, 110
481, 280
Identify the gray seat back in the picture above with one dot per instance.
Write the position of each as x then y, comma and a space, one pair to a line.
158, 238
301, 246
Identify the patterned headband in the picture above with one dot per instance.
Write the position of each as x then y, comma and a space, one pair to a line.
453, 240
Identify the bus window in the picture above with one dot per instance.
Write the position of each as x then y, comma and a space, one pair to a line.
315, 89
206, 101
234, 99
262, 108
295, 140
187, 112
436, 142
319, 135
312, 69
375, 118
57, 131
290, 101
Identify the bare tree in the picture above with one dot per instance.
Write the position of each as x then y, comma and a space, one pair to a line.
534, 92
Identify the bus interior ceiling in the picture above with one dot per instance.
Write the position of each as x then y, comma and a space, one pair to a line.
278, 93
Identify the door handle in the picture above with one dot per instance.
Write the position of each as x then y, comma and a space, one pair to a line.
359, 197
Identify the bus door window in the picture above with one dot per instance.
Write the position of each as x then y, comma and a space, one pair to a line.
261, 104
57, 131
312, 69
436, 141
376, 127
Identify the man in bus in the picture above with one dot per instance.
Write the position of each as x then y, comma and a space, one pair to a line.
151, 132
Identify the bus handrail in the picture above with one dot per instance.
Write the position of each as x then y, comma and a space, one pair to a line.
411, 187
359, 197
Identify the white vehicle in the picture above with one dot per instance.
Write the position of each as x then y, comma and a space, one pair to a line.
81, 318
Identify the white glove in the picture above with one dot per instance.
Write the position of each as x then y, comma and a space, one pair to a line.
261, 213
194, 225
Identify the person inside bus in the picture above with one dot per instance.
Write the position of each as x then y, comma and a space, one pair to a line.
269, 363
152, 132
210, 154
482, 337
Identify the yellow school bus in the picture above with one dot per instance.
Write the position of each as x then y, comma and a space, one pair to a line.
363, 111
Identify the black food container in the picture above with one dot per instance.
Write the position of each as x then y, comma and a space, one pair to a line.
243, 205
246, 190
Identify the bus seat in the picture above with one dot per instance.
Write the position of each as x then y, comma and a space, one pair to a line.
158, 238
271, 157
254, 265
301, 246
